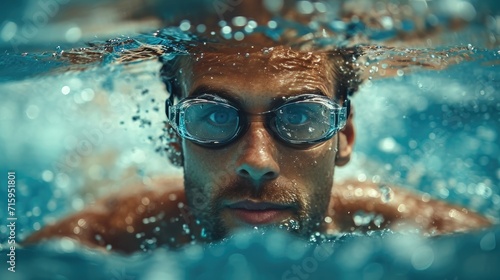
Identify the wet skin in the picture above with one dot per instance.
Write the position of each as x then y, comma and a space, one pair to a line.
257, 180
124, 222
264, 181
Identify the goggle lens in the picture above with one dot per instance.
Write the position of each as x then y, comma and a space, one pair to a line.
210, 121
213, 121
303, 122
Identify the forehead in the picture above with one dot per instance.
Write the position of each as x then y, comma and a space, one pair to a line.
260, 71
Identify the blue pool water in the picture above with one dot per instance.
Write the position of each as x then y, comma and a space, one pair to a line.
428, 130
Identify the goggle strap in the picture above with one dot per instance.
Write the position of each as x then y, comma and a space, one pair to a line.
171, 111
347, 105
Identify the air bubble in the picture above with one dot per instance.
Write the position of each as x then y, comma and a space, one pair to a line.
488, 242
305, 7
239, 36
226, 30
185, 25
65, 90
239, 21
272, 24
32, 112
73, 34
67, 245
422, 258
47, 175
201, 28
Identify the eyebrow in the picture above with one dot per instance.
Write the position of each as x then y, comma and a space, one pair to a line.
227, 94
221, 92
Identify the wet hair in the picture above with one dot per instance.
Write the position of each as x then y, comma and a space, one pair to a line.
347, 74
342, 62
169, 74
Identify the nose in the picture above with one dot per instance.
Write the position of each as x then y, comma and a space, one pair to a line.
257, 157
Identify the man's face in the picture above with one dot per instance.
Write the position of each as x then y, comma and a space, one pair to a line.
259, 181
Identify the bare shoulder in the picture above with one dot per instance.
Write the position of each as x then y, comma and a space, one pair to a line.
116, 220
368, 206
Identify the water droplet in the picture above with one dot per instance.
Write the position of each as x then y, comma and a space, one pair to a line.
386, 193
378, 220
185, 229
362, 218
402, 208
76, 230
294, 224
312, 238
149, 244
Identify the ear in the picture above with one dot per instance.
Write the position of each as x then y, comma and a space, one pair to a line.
174, 147
346, 141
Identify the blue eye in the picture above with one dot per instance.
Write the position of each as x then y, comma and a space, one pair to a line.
222, 116
296, 117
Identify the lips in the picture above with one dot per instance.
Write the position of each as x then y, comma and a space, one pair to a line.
258, 213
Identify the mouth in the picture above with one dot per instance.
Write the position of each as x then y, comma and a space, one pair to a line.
258, 213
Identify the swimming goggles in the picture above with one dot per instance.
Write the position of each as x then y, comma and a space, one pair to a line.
212, 121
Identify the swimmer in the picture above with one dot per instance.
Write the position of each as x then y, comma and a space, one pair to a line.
258, 129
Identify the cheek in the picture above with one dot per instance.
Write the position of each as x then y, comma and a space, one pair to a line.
316, 164
203, 166
198, 159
